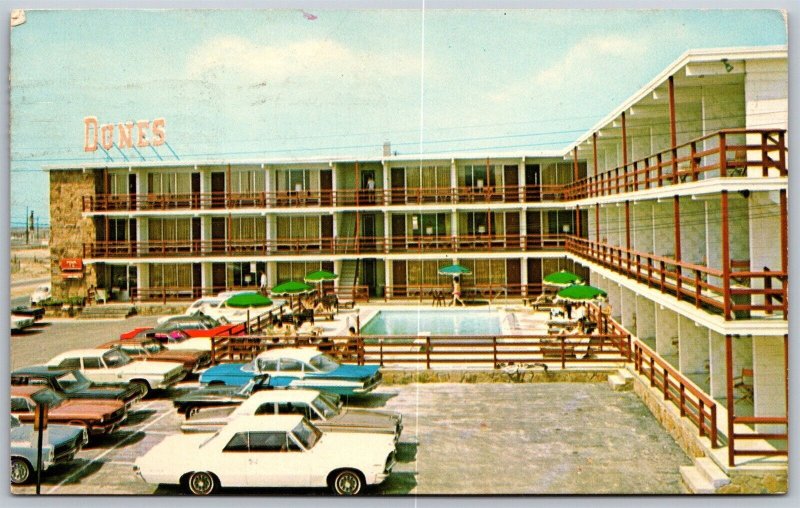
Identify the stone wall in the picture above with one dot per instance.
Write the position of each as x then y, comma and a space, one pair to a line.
756, 482
69, 230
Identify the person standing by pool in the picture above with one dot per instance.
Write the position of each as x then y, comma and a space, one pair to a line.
457, 291
263, 284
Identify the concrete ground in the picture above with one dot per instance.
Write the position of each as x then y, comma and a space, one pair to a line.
496, 438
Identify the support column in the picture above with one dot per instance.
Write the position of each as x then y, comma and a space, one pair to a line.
673, 132
385, 190
453, 180
628, 232
334, 186
268, 185
726, 257
784, 213
578, 220
521, 180
729, 396
597, 222
575, 164
594, 153
676, 208
624, 141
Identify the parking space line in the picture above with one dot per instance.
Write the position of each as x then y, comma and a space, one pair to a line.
97, 459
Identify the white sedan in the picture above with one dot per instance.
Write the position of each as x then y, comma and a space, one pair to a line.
41, 294
20, 322
201, 305
106, 366
279, 451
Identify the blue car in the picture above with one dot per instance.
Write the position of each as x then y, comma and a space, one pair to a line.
63, 442
298, 368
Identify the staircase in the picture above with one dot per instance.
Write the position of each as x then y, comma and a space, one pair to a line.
112, 311
704, 477
349, 276
622, 381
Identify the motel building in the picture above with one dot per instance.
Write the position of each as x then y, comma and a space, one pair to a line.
675, 204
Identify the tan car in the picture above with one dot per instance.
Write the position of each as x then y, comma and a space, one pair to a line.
145, 348
97, 416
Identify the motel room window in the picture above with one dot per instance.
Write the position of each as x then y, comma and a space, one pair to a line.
426, 272
248, 181
118, 183
428, 224
428, 177
169, 230
245, 274
299, 227
478, 223
487, 271
249, 228
295, 270
298, 180
480, 175
118, 229
171, 275
169, 183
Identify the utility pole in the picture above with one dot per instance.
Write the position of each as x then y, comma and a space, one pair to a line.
27, 239
30, 222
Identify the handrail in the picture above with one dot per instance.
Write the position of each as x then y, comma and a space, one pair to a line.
688, 161
675, 387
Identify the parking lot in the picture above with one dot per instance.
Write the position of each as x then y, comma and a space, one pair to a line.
525, 438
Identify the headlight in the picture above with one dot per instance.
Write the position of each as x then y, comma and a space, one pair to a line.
102, 418
51, 454
85, 436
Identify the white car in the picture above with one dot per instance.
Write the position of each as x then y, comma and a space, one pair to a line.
104, 366
280, 451
200, 305
20, 322
324, 410
41, 294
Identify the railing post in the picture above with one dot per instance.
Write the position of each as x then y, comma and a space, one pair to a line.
723, 155
693, 160
665, 388
652, 371
380, 351
701, 417
682, 406
427, 350
714, 437
494, 352
563, 357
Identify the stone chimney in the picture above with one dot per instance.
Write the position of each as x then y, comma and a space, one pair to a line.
387, 149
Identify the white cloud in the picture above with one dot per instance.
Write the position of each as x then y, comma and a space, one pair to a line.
312, 58
590, 59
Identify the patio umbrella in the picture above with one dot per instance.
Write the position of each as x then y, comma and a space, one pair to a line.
291, 288
581, 294
561, 279
455, 270
248, 300
320, 276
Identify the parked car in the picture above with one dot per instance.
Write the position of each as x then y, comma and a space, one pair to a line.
41, 294
19, 323
200, 305
197, 321
176, 340
114, 366
151, 349
98, 416
220, 396
37, 313
282, 451
63, 443
72, 384
324, 410
304, 367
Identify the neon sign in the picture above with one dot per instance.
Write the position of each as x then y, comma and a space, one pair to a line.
144, 132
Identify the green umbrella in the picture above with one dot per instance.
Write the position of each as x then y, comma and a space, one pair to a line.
579, 293
291, 288
561, 279
454, 270
320, 276
248, 300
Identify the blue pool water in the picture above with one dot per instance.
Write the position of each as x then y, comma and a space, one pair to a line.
437, 322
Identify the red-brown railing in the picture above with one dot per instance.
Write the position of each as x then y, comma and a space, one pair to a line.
313, 246
690, 281
358, 293
491, 350
754, 435
490, 291
726, 153
695, 405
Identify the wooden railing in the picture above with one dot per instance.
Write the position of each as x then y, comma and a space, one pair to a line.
359, 293
315, 246
701, 285
693, 404
752, 451
425, 292
726, 153
491, 351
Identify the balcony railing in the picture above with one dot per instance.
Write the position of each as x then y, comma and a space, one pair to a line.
322, 246
745, 292
727, 153
359, 293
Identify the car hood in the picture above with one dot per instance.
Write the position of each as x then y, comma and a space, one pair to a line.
359, 418
103, 392
85, 409
214, 393
56, 434
226, 369
158, 368
376, 444
350, 372
163, 455
179, 355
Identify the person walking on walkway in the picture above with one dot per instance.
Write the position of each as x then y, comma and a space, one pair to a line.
263, 284
457, 291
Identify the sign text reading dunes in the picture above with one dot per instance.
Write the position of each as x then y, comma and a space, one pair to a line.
146, 133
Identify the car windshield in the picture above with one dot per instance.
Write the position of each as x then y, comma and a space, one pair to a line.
73, 381
255, 381
153, 347
324, 363
306, 434
116, 358
48, 397
325, 408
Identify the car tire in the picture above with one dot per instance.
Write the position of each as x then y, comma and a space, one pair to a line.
347, 482
191, 411
201, 483
20, 471
142, 385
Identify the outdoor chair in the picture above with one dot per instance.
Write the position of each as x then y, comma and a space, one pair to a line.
542, 301
744, 383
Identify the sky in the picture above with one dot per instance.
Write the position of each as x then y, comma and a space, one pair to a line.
275, 84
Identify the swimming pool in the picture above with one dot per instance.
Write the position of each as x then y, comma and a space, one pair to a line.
437, 322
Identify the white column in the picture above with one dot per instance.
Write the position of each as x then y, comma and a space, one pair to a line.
334, 186
453, 179
693, 346
268, 175
666, 332
768, 380
521, 179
